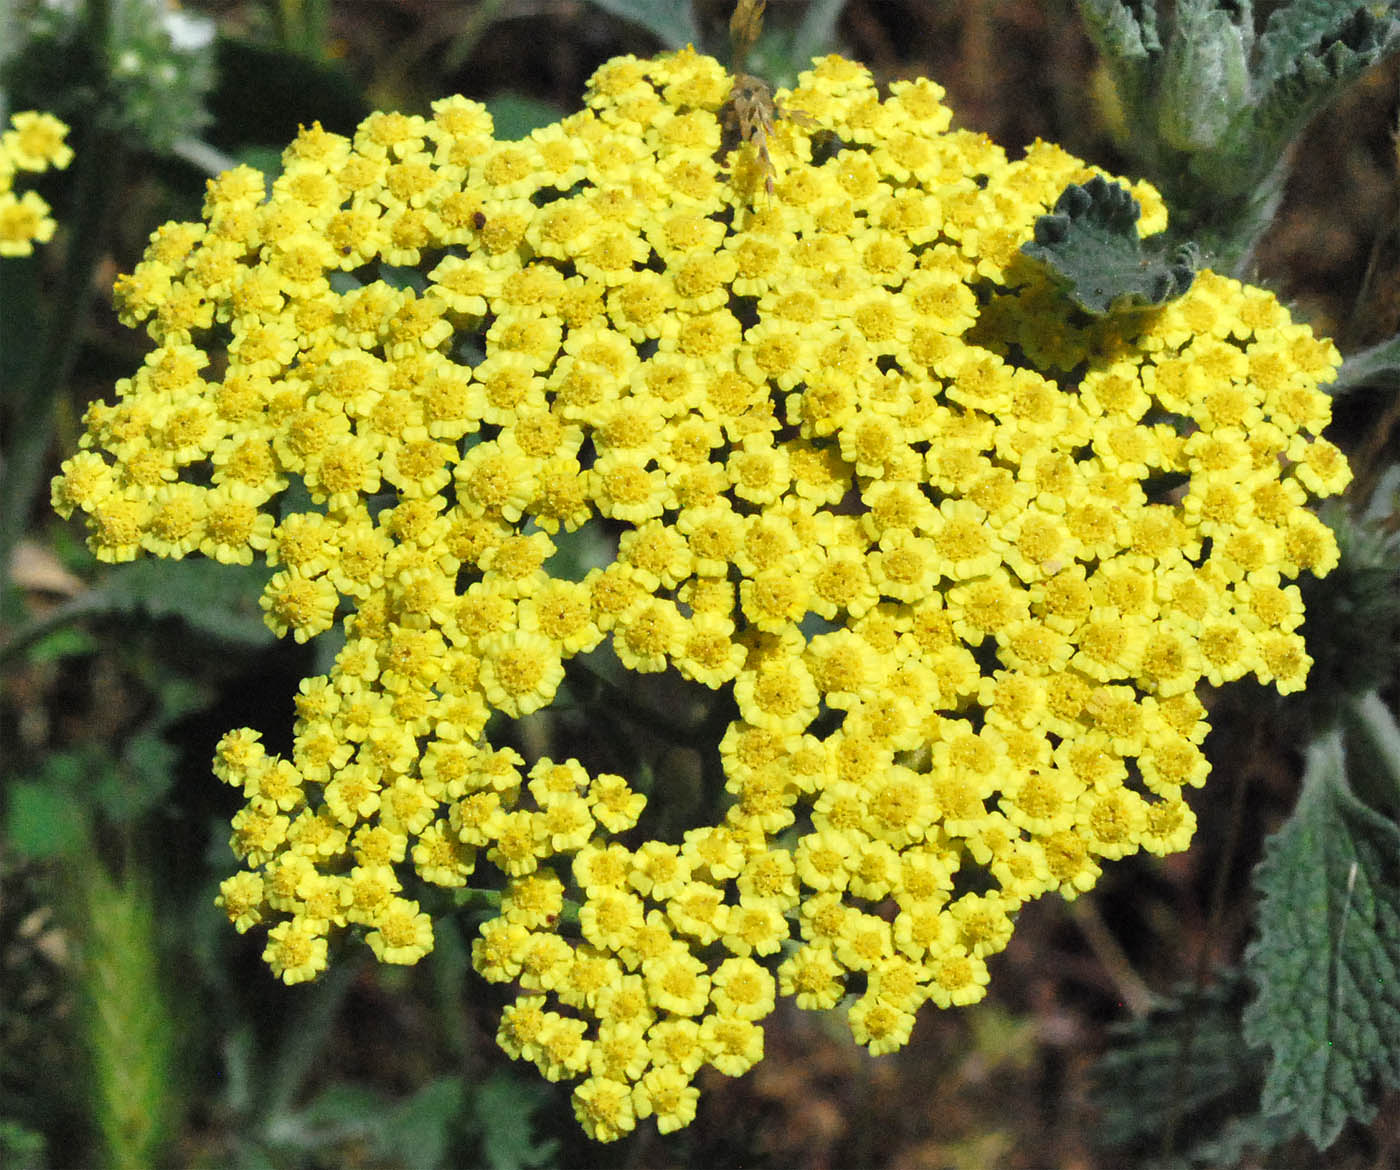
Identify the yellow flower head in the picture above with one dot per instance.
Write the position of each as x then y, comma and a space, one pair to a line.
802, 425
33, 143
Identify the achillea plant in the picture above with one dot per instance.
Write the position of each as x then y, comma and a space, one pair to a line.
34, 142
959, 551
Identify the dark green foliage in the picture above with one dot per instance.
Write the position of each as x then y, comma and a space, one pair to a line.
38, 818
1302, 1038
1353, 618
414, 1132
1185, 1066
58, 68
20, 1148
49, 815
515, 116
1091, 247
220, 601
1327, 957
265, 92
505, 1115
445, 1124
785, 49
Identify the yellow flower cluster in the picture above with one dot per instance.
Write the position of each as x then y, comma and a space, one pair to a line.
34, 142
960, 553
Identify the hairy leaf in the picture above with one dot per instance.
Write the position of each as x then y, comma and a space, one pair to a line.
220, 601
1311, 74
339, 1114
1186, 1065
1301, 28
1373, 752
1327, 958
1121, 29
421, 1130
1204, 80
1091, 247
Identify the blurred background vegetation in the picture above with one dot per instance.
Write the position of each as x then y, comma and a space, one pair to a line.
137, 1029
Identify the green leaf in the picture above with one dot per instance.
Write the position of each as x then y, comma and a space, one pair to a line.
1300, 78
344, 1108
1301, 28
1186, 1065
420, 1131
1120, 30
88, 778
341, 1113
1385, 498
1376, 368
671, 21
1373, 752
47, 811
147, 773
21, 1148
100, 782
218, 600
784, 49
62, 643
505, 1109
302, 1045
1091, 248
1204, 81
1125, 34
1327, 958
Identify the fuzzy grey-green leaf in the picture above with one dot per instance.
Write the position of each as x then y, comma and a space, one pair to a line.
1296, 85
1091, 248
1303, 27
1204, 82
1327, 957
1121, 29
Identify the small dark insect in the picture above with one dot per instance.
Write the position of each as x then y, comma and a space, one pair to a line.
478, 220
